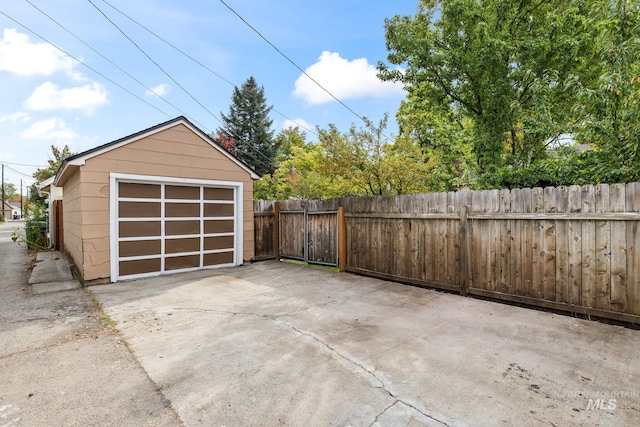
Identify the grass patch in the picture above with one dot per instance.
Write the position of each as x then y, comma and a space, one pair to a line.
106, 320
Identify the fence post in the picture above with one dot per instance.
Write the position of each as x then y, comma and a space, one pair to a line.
342, 240
276, 237
465, 253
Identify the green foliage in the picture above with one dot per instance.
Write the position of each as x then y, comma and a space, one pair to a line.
36, 230
367, 164
55, 160
299, 174
10, 191
444, 137
248, 124
612, 104
492, 88
494, 68
358, 162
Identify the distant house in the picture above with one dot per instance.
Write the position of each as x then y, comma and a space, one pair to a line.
163, 200
7, 210
16, 211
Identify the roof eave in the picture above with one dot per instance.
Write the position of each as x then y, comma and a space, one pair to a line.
79, 159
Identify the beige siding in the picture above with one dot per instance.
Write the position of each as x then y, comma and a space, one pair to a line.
72, 220
175, 152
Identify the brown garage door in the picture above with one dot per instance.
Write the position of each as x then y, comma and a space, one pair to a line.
169, 228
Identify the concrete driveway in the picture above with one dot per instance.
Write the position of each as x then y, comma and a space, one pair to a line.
282, 344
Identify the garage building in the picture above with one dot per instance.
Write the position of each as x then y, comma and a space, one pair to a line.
166, 199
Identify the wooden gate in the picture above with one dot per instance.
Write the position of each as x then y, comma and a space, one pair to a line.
309, 236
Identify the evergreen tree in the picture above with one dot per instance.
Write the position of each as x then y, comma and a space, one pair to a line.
248, 124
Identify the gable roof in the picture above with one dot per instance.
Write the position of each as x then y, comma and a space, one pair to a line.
79, 159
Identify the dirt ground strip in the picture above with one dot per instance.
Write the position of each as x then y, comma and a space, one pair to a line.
60, 365
282, 344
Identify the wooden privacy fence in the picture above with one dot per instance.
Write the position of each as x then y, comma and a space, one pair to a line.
310, 236
575, 249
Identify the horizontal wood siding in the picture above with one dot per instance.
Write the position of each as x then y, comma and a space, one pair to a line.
173, 152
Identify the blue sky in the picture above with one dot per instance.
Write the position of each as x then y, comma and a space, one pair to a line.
49, 98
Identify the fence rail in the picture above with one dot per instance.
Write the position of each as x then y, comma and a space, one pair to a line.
574, 248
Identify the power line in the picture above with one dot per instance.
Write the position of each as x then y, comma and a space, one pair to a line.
167, 42
18, 172
154, 62
82, 63
104, 57
176, 82
296, 65
263, 163
21, 164
195, 60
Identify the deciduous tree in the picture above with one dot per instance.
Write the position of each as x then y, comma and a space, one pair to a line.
55, 160
612, 102
495, 68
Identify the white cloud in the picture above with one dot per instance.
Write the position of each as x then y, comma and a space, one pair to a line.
19, 117
344, 79
297, 123
160, 90
54, 129
47, 96
20, 56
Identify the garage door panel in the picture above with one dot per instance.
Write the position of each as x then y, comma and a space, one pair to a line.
139, 266
140, 248
180, 262
163, 227
176, 210
218, 258
176, 228
214, 209
217, 226
218, 193
139, 209
219, 242
174, 246
139, 228
139, 191
181, 192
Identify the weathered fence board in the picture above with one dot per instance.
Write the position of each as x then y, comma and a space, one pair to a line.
264, 232
292, 238
568, 248
322, 244
633, 250
589, 284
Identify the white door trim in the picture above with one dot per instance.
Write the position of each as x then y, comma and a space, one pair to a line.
115, 178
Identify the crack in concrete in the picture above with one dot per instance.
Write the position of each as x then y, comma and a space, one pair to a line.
370, 374
395, 402
332, 350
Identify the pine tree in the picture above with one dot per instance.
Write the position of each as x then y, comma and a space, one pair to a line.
248, 124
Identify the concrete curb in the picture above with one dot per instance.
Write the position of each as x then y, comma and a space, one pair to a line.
52, 273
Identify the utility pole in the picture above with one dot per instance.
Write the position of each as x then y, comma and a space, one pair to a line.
2, 209
21, 207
